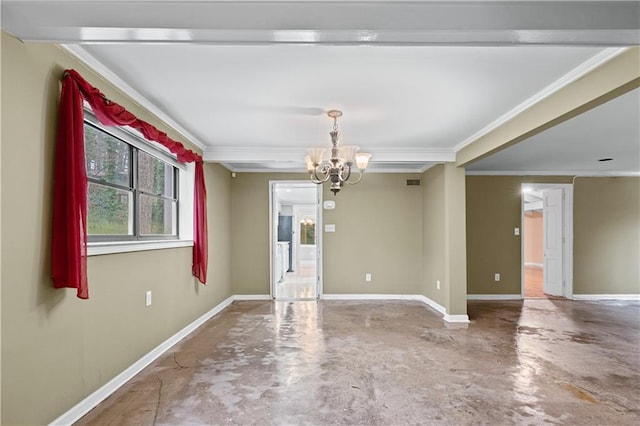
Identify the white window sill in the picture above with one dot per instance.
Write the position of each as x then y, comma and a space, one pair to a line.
112, 247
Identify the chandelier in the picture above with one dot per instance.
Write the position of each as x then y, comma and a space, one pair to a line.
337, 168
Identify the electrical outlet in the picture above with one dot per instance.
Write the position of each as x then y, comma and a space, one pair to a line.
148, 298
497, 277
438, 285
516, 231
367, 277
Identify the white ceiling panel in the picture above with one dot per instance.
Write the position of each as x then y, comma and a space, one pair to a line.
417, 96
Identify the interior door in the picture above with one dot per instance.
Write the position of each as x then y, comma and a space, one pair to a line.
552, 242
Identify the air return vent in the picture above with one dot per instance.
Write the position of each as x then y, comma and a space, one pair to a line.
413, 182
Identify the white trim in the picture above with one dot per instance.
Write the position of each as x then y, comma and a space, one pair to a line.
251, 297
112, 247
494, 297
533, 265
89, 60
373, 297
434, 305
606, 297
552, 173
247, 154
295, 168
273, 227
573, 75
567, 224
415, 297
456, 318
84, 406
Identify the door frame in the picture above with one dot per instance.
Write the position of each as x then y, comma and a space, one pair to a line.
567, 232
273, 238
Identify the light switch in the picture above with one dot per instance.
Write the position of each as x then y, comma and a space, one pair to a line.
516, 231
330, 227
148, 298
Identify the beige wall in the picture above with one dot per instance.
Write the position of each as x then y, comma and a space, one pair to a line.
56, 348
533, 238
250, 230
433, 234
378, 231
607, 235
494, 205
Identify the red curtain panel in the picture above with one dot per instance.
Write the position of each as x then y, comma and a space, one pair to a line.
69, 240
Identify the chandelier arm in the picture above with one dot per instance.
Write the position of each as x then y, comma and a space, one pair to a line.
314, 175
345, 178
359, 178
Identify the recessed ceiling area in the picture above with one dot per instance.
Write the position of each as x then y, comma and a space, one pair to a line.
249, 82
611, 130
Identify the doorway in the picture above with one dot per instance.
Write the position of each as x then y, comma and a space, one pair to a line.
547, 240
295, 240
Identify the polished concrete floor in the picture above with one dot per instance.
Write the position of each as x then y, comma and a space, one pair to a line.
394, 363
299, 284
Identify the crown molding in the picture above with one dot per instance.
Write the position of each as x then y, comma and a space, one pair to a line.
553, 173
294, 169
296, 155
573, 75
90, 61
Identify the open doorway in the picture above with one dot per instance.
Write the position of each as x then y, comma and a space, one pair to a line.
295, 217
547, 240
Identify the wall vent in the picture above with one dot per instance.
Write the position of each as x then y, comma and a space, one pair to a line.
413, 182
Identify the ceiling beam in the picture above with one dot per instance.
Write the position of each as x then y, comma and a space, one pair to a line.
595, 23
616, 77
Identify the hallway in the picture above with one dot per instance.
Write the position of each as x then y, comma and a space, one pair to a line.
342, 362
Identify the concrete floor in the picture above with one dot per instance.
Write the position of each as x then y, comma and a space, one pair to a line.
394, 363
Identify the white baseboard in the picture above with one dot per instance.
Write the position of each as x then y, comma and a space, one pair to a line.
87, 404
251, 297
370, 296
456, 318
606, 296
494, 297
533, 265
417, 297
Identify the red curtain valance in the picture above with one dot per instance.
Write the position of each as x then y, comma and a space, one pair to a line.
69, 239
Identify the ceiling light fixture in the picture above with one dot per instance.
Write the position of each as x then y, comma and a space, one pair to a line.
336, 168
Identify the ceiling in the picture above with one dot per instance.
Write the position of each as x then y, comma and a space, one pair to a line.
610, 131
250, 81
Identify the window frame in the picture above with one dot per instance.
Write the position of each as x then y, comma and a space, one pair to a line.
106, 244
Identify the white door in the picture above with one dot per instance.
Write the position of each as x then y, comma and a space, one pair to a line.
552, 242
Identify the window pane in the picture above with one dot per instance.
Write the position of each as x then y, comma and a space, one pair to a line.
110, 211
107, 158
307, 233
157, 216
154, 175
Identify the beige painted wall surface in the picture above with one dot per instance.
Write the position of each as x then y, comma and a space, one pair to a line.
533, 238
250, 230
433, 234
607, 235
378, 230
57, 349
493, 208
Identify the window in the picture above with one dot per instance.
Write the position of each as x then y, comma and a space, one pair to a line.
307, 232
132, 189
